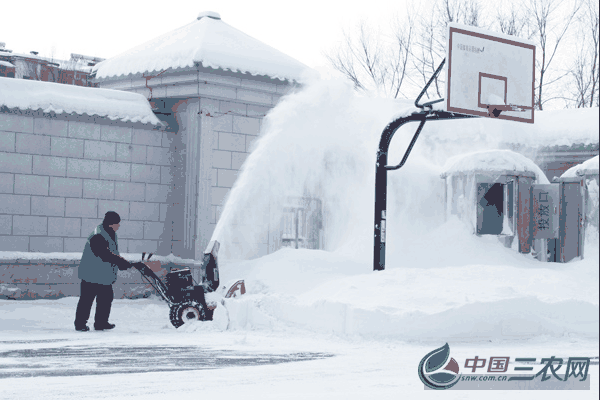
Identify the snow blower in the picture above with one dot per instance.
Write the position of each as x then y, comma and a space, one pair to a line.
184, 296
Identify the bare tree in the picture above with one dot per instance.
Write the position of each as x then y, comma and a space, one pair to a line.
372, 64
548, 36
409, 59
372, 61
513, 20
430, 47
585, 71
429, 51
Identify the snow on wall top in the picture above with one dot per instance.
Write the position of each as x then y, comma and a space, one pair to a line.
208, 41
59, 98
589, 167
494, 160
551, 128
131, 257
566, 127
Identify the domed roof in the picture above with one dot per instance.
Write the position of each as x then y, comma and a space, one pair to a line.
493, 161
207, 41
589, 167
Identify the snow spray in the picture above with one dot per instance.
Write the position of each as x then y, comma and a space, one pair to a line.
321, 141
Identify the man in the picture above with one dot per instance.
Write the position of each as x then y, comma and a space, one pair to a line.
98, 271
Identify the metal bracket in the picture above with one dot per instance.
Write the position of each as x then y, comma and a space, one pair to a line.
430, 103
381, 169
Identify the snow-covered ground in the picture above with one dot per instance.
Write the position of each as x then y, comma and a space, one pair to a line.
312, 324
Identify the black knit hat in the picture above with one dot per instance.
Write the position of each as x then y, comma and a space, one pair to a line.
111, 218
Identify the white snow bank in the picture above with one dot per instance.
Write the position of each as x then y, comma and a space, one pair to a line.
589, 167
494, 160
58, 98
207, 41
331, 293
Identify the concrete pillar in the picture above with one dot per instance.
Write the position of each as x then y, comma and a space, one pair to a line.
203, 215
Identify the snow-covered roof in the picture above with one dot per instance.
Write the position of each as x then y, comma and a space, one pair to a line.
589, 167
568, 126
494, 161
207, 41
58, 98
32, 56
71, 65
551, 128
6, 64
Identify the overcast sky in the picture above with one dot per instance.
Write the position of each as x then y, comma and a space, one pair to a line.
302, 30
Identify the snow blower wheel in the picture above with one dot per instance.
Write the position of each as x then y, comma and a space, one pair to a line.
183, 313
186, 298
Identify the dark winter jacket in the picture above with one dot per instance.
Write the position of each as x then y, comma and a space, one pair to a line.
100, 259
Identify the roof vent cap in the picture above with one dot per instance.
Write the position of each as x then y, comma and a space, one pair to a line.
209, 14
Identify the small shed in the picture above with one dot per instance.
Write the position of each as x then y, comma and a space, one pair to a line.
578, 188
490, 191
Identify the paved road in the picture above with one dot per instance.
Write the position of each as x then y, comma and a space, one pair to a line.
78, 360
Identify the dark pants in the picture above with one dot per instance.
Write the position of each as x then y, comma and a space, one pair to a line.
104, 297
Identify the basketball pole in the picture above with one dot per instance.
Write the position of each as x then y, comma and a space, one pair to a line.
381, 168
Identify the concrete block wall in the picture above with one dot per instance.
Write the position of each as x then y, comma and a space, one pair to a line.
236, 104
24, 279
235, 128
60, 174
205, 83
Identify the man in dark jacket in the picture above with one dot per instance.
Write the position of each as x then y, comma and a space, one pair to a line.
98, 271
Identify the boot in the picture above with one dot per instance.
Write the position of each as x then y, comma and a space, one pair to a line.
103, 327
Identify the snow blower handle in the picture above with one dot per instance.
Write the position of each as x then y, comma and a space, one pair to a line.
140, 266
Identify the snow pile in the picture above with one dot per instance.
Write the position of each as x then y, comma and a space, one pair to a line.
207, 41
481, 298
57, 98
589, 167
494, 161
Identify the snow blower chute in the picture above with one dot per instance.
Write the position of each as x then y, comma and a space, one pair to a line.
185, 297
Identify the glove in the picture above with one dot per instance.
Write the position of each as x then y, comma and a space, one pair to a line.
139, 266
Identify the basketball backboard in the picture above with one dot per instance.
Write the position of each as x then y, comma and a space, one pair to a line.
489, 74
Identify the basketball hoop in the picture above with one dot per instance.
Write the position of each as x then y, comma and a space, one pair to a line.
494, 110
489, 74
